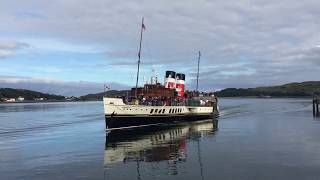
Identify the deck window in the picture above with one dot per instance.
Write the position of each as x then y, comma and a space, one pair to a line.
163, 111
155, 111
151, 111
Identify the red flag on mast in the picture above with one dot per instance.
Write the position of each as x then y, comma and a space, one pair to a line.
143, 26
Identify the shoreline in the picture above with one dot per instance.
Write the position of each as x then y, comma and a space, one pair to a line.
272, 97
48, 101
238, 97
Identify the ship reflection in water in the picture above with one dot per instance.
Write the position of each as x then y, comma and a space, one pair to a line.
165, 147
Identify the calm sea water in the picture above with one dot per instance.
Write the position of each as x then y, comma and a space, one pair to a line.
253, 139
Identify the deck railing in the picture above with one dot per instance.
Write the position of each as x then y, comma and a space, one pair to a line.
188, 102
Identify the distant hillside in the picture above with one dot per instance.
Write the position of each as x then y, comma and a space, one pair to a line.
304, 89
98, 96
6, 93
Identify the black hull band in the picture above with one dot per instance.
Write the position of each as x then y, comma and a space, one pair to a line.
119, 122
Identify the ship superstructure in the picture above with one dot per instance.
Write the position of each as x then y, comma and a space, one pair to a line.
157, 104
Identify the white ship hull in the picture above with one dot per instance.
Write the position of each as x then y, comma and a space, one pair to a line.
119, 115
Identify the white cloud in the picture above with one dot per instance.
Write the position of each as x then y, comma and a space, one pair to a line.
12, 45
6, 53
9, 48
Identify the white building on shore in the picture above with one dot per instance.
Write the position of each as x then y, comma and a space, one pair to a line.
20, 98
10, 100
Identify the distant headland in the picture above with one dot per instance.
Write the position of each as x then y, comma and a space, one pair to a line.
24, 95
291, 90
303, 89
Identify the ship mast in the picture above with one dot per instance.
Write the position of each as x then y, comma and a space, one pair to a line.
198, 71
139, 55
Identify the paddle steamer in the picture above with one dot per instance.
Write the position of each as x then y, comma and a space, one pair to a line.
156, 104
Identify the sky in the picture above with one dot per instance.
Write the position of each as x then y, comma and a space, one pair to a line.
73, 47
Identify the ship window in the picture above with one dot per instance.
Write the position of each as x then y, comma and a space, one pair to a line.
175, 111
159, 111
151, 111
155, 111
163, 111
169, 110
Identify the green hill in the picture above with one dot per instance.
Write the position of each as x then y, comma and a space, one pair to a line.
303, 89
26, 94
